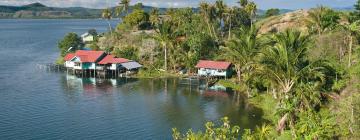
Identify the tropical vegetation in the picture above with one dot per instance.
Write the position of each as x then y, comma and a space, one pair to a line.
311, 77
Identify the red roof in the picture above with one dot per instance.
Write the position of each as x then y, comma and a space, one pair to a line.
213, 64
110, 59
69, 56
88, 56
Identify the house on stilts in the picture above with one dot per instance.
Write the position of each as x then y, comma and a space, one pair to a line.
208, 68
93, 63
111, 65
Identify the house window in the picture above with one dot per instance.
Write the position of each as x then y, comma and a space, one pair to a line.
77, 64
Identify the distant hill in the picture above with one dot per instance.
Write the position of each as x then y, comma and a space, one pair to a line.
38, 10
350, 8
290, 20
261, 12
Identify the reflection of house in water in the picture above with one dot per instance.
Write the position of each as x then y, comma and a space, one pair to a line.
216, 90
208, 93
94, 84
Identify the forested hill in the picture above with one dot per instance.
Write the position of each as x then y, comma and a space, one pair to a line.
38, 10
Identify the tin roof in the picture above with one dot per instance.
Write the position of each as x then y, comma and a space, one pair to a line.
213, 64
89, 56
69, 56
110, 59
131, 65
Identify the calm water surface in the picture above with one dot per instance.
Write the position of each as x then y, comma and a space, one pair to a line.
35, 104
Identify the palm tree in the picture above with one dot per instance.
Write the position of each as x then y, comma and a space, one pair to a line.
107, 14
229, 14
263, 131
322, 19
251, 9
220, 8
241, 51
206, 10
284, 63
154, 16
352, 30
125, 4
243, 3
164, 34
314, 19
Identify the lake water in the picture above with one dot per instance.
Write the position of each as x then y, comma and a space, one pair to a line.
35, 104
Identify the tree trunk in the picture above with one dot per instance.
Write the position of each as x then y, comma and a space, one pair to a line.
165, 49
281, 123
215, 35
229, 37
350, 49
108, 21
239, 74
209, 28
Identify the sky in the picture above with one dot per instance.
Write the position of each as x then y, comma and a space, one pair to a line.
263, 4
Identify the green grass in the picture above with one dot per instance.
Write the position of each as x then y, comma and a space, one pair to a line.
268, 104
60, 61
155, 74
264, 101
231, 84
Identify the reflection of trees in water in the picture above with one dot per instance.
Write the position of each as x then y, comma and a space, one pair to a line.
181, 106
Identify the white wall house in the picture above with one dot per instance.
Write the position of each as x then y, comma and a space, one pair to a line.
87, 37
83, 60
214, 68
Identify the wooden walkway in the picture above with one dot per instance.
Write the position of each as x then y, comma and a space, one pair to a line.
51, 67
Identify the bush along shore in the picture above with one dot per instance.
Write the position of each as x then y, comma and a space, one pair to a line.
302, 68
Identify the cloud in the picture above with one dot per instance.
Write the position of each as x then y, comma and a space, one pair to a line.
263, 4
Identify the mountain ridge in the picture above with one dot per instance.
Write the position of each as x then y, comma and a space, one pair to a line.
39, 10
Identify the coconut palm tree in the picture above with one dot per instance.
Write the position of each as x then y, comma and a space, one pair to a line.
263, 132
165, 35
243, 3
251, 9
154, 16
352, 30
220, 8
284, 63
322, 19
125, 4
229, 14
241, 51
207, 11
107, 14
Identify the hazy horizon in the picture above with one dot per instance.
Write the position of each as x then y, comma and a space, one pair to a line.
263, 4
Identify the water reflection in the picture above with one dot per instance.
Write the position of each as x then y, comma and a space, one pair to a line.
164, 103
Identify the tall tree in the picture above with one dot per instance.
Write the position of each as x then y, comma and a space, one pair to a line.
165, 35
322, 19
251, 8
205, 11
355, 15
125, 4
272, 12
107, 15
352, 29
229, 14
241, 51
284, 63
70, 43
154, 16
243, 3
